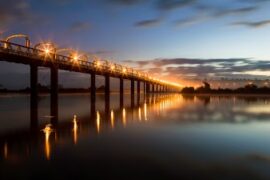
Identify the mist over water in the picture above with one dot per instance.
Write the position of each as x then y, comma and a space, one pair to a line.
163, 136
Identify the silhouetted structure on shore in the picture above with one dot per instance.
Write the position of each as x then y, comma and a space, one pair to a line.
206, 89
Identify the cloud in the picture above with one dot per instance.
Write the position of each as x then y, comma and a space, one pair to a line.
16, 11
216, 68
148, 23
103, 52
141, 64
124, 2
80, 26
236, 11
189, 21
173, 4
257, 24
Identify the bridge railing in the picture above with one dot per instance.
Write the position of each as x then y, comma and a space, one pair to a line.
103, 66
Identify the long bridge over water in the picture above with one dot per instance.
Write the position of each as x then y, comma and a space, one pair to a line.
46, 54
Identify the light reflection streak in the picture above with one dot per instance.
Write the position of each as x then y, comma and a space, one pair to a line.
98, 122
47, 131
145, 111
112, 119
5, 150
124, 117
140, 114
75, 129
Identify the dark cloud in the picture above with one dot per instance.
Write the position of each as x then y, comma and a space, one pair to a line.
257, 24
80, 26
236, 11
148, 23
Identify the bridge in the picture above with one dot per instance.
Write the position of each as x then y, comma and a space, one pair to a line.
46, 54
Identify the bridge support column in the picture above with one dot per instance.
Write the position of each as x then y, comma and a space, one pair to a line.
34, 95
144, 88
132, 92
107, 93
147, 88
93, 94
153, 88
121, 93
138, 91
54, 94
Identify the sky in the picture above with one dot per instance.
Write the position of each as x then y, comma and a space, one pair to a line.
178, 40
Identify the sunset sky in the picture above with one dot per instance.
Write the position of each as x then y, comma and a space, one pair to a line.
173, 39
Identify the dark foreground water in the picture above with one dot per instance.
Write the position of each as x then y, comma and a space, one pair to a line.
164, 137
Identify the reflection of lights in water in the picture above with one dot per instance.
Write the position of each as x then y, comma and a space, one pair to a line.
145, 111
47, 131
124, 117
75, 129
5, 150
98, 121
140, 114
112, 118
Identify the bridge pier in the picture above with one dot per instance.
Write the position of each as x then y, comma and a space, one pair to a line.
107, 93
144, 88
93, 94
54, 94
34, 96
121, 93
147, 88
132, 92
138, 92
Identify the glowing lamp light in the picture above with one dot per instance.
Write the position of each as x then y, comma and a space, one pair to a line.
97, 63
124, 70
47, 51
75, 57
112, 67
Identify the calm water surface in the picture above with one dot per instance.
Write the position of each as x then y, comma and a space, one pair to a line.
161, 137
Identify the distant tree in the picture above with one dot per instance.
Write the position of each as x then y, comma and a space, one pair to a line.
188, 90
250, 86
206, 88
206, 85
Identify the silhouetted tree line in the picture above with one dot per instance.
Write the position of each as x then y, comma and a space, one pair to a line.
206, 89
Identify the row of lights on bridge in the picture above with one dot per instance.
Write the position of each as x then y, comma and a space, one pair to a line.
49, 49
